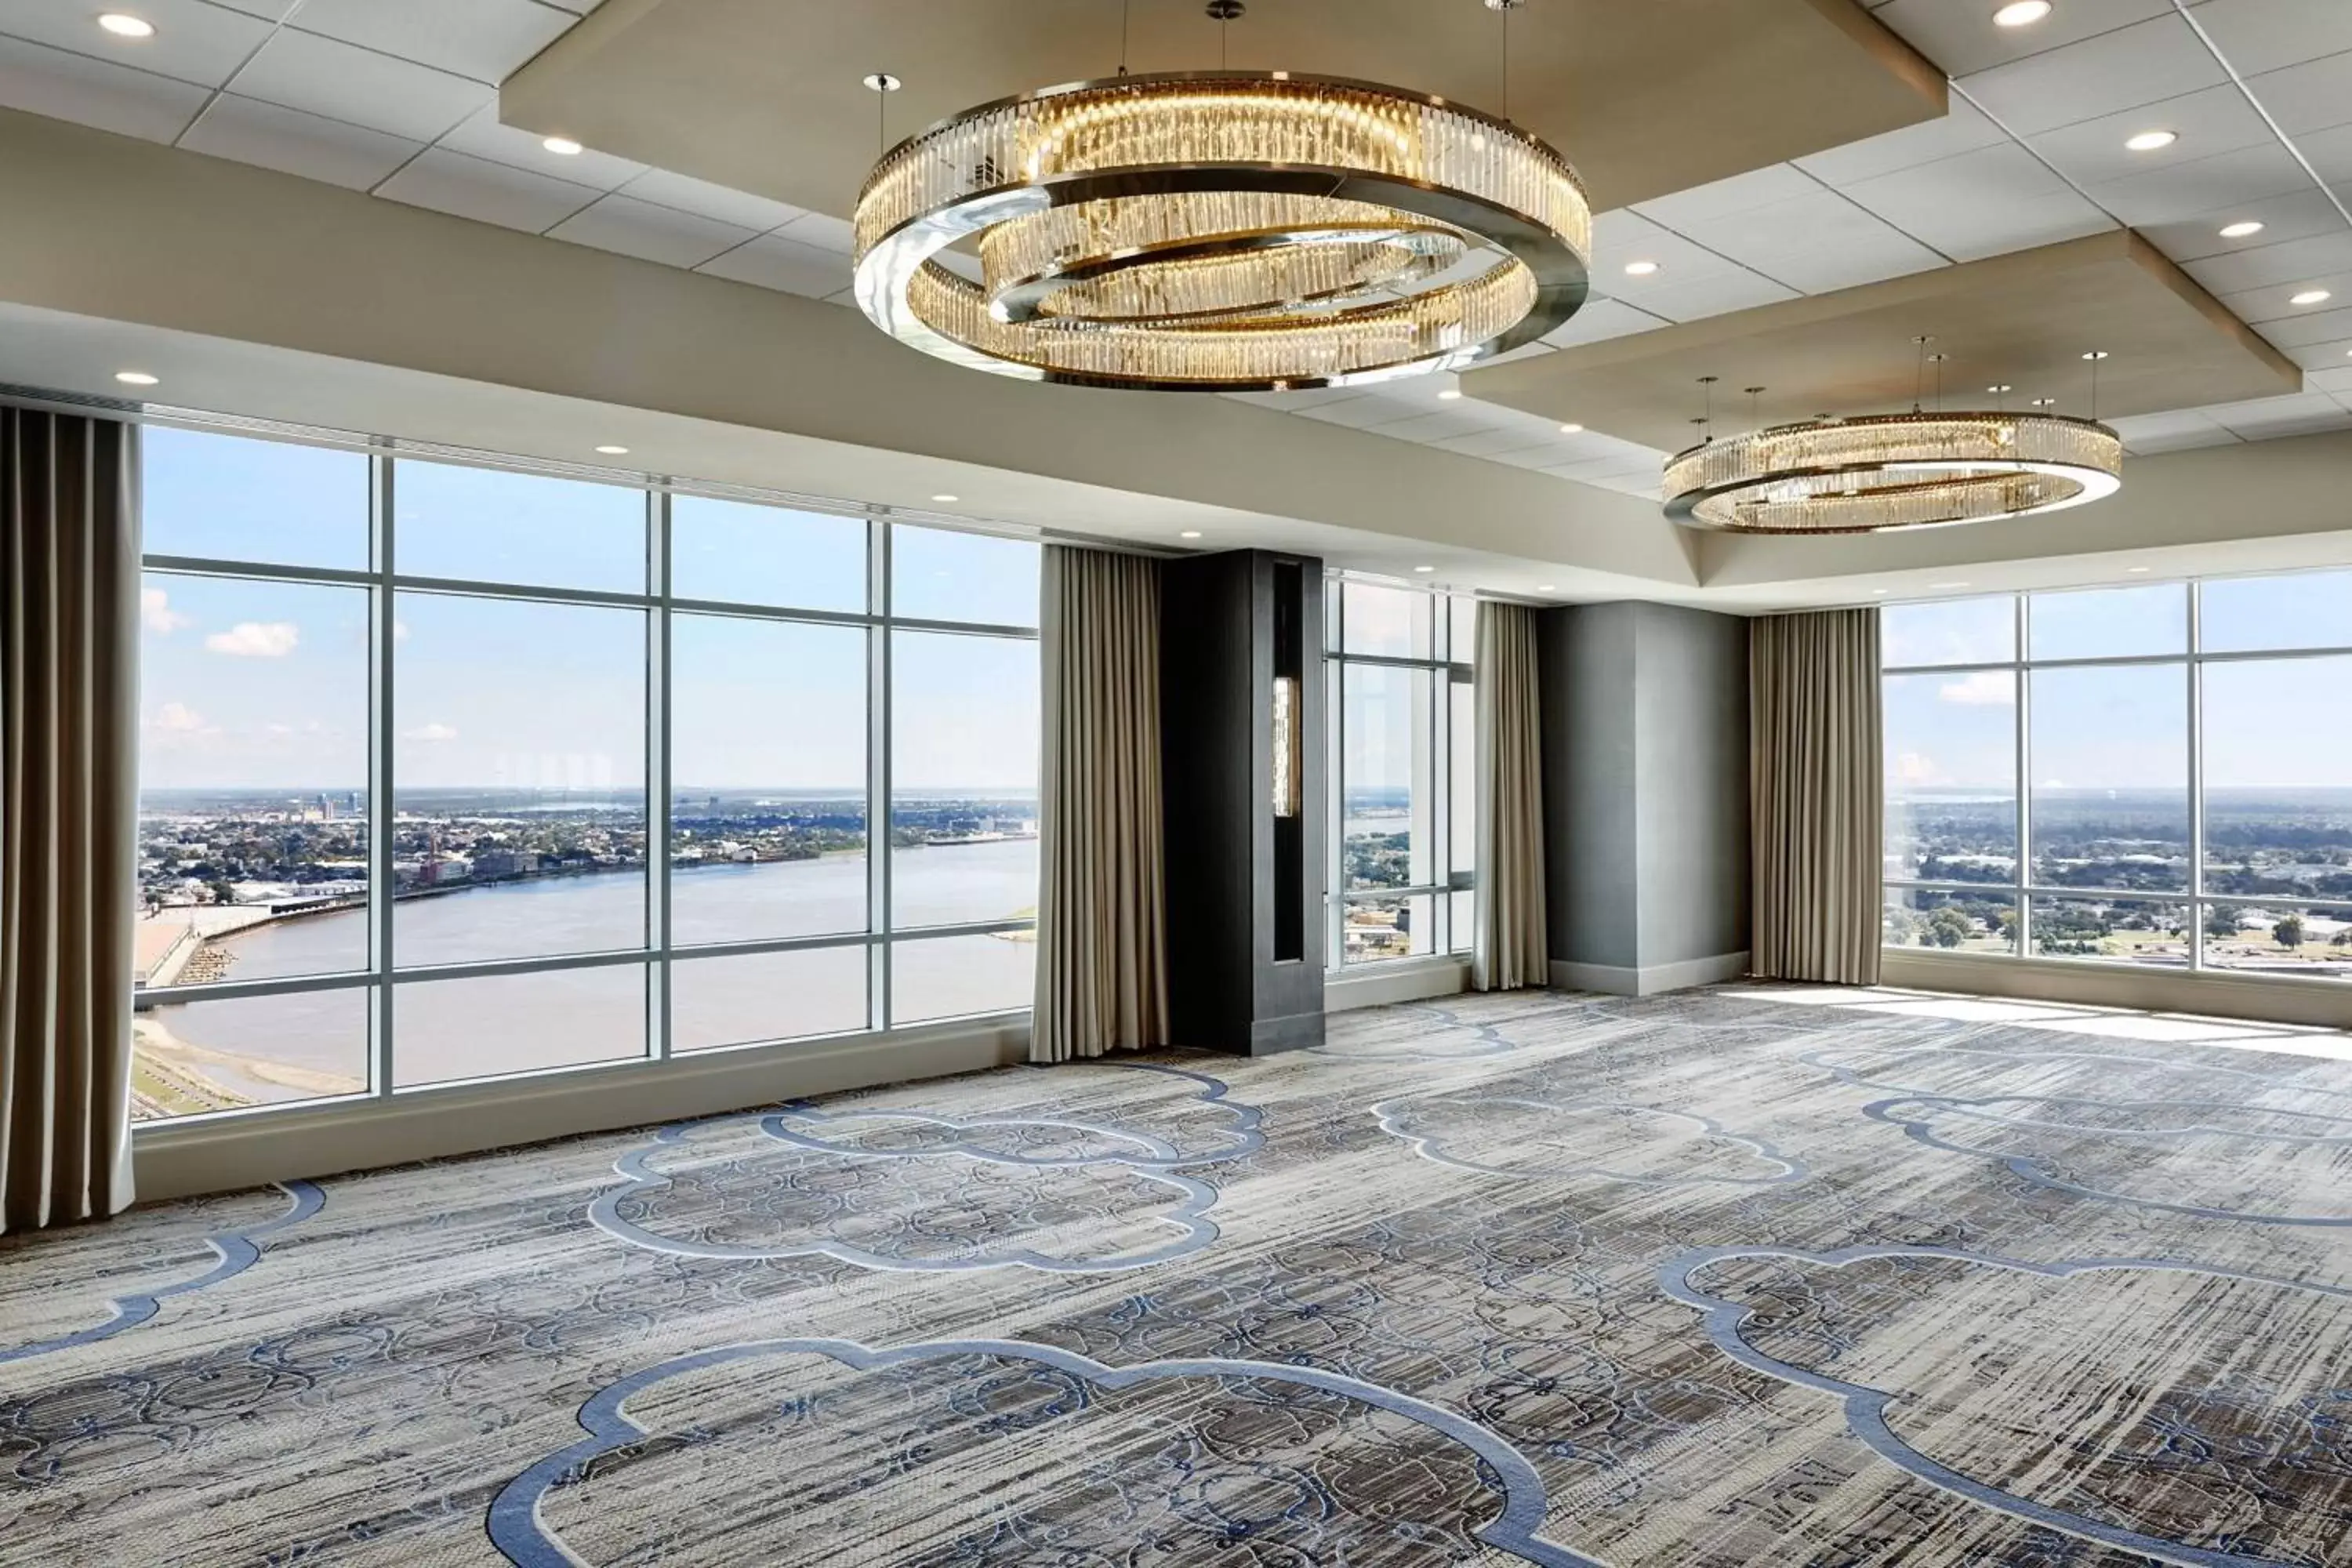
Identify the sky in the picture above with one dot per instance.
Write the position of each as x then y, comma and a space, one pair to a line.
2268, 724
263, 685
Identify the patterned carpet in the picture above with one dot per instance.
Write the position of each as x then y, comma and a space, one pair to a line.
1752, 1275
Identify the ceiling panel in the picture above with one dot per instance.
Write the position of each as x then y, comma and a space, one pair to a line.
1963, 130
1692, 298
2146, 63
1958, 35
480, 135
650, 233
2202, 185
343, 82
1603, 317
2270, 418
252, 132
486, 191
1770, 186
484, 39
2298, 215
2275, 301
1980, 203
2214, 121
713, 88
1816, 219
2313, 96
2258, 36
2287, 262
68, 86
2021, 319
706, 200
192, 41
1853, 262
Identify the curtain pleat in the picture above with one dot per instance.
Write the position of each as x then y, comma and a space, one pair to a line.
1509, 944
1817, 788
68, 695
1102, 967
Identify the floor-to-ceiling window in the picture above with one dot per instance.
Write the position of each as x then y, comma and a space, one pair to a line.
453, 771
1403, 761
2157, 773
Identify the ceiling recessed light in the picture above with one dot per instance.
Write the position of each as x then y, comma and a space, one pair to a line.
134, 378
2135, 568
2149, 140
1424, 568
614, 451
1189, 533
122, 25
2240, 230
1640, 269
2001, 387
1572, 429
1938, 585
2021, 13
947, 500
2096, 354
881, 81
1544, 588
2045, 402
562, 146
1450, 393
2312, 297
1878, 593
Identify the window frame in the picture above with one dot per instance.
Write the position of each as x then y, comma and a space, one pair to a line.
2192, 662
382, 974
1448, 666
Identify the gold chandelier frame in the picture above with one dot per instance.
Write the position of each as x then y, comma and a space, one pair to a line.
1435, 177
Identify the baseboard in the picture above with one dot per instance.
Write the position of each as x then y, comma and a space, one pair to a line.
1621, 980
1400, 980
224, 1154
2321, 1004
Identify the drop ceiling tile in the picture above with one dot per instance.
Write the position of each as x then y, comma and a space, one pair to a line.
824, 232
288, 140
2260, 306
2299, 413
1980, 203
2216, 121
67, 86
2298, 215
192, 41
1431, 425
650, 233
2171, 425
2259, 35
2203, 185
1623, 236
773, 261
1715, 295
486, 191
2153, 445
2324, 357
2262, 266
704, 199
1853, 262
1962, 130
1602, 319
485, 39
1535, 350
1961, 39
267, 10
1765, 187
1815, 219
1591, 469
480, 135
2330, 152
1492, 443
1356, 413
2146, 63
2306, 328
342, 82
2313, 96
2337, 384
579, 7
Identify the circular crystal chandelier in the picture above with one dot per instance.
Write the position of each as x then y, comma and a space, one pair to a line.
1892, 471
1221, 231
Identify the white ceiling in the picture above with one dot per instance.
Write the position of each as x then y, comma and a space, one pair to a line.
400, 100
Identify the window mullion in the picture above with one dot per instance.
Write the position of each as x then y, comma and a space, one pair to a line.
382, 639
658, 779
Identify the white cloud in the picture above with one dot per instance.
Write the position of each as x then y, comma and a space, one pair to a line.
179, 717
155, 610
1918, 768
257, 639
1985, 688
431, 734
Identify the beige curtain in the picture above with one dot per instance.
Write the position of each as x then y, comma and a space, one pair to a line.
1102, 965
69, 803
1507, 945
1816, 785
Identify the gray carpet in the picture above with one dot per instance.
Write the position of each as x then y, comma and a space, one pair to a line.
1747, 1276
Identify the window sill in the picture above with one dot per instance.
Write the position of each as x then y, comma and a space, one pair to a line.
2266, 998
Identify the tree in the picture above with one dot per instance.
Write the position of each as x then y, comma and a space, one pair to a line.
1950, 928
223, 893
2220, 924
2288, 933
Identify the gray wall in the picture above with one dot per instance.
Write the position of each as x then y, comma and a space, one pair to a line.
1645, 787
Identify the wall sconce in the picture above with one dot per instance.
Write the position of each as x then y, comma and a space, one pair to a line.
1287, 757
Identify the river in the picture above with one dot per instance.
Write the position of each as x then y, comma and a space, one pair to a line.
477, 1027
